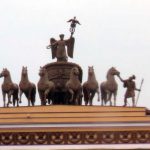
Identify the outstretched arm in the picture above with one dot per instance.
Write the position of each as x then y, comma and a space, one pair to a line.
137, 89
78, 22
120, 78
69, 20
50, 45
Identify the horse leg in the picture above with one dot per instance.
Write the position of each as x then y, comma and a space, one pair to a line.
28, 101
72, 94
87, 99
91, 98
98, 95
102, 102
75, 98
78, 97
17, 102
104, 94
41, 97
20, 95
133, 101
109, 98
86, 95
33, 94
29, 97
51, 96
9, 98
4, 99
46, 95
14, 102
115, 95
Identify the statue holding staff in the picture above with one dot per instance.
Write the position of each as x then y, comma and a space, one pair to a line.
131, 87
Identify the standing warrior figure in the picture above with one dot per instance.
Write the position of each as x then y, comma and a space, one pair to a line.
130, 92
59, 50
73, 25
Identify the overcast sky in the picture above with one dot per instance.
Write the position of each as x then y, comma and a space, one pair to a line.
113, 33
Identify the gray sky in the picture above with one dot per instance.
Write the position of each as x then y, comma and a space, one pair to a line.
113, 33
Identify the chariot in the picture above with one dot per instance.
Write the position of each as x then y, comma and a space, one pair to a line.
59, 73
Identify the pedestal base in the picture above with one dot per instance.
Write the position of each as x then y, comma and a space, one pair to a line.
69, 125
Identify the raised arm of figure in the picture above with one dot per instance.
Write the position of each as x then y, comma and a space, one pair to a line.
120, 78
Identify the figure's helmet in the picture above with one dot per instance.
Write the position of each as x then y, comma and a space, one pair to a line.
133, 77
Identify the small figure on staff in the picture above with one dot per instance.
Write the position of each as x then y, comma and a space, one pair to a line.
131, 87
73, 21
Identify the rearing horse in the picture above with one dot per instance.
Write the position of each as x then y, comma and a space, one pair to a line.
74, 87
9, 88
45, 87
90, 87
26, 87
109, 87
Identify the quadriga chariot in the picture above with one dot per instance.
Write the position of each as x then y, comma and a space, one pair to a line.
59, 73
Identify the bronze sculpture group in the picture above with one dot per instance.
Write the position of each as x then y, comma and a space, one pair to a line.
61, 82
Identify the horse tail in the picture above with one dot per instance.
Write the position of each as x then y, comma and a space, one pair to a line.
33, 93
15, 95
85, 93
103, 93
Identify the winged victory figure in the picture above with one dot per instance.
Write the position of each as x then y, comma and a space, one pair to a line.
58, 48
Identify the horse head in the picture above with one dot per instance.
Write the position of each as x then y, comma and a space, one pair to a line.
42, 72
75, 71
24, 71
90, 70
4, 73
113, 71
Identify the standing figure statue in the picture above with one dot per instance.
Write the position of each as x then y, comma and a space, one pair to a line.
131, 87
59, 48
73, 25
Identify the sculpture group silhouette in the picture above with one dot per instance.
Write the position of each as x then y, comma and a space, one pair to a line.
75, 94
61, 82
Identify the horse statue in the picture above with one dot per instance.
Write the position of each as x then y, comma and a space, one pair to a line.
90, 87
45, 87
9, 88
26, 87
109, 87
74, 87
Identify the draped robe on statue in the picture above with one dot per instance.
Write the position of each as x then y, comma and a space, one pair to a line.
59, 48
